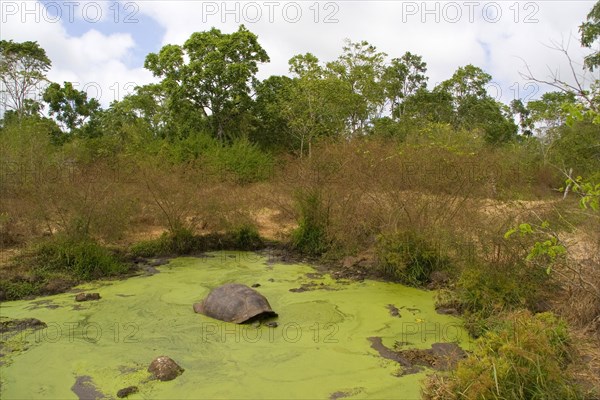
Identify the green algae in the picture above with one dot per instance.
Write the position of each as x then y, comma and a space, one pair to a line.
321, 348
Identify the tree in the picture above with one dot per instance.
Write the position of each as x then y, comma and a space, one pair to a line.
213, 70
525, 121
548, 113
428, 106
467, 82
22, 67
360, 68
70, 106
590, 32
272, 130
316, 103
401, 79
474, 108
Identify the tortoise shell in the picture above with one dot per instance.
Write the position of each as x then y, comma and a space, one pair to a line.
234, 302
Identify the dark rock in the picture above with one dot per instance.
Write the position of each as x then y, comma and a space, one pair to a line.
87, 296
165, 369
438, 280
394, 311
272, 324
256, 285
127, 391
271, 280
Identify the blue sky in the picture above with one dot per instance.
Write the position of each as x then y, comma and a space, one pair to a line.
101, 45
118, 17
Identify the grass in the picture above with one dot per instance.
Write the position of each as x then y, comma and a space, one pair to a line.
56, 264
82, 258
310, 237
184, 242
525, 356
408, 257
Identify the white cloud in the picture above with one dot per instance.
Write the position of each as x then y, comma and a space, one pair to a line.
93, 61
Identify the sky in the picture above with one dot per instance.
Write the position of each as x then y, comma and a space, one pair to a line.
100, 46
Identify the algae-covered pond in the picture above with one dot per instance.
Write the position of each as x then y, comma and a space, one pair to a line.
321, 349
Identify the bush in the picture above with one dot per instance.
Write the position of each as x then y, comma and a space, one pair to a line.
310, 237
409, 258
524, 357
82, 258
242, 161
179, 242
245, 237
487, 287
17, 289
183, 241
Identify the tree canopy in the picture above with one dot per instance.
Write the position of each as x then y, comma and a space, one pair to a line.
22, 67
213, 70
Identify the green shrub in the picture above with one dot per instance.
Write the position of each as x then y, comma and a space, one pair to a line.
82, 258
17, 289
183, 241
245, 237
524, 357
311, 235
487, 288
242, 161
188, 149
180, 242
409, 257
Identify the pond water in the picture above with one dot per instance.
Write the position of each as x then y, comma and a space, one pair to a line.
320, 350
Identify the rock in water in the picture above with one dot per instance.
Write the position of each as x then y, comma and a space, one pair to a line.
165, 369
127, 391
87, 296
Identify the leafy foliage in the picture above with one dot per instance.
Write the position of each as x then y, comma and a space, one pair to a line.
70, 106
218, 76
22, 67
590, 32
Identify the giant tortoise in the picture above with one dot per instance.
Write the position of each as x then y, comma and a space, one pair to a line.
234, 302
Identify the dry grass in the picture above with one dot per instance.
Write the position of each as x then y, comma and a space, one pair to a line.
586, 366
461, 200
